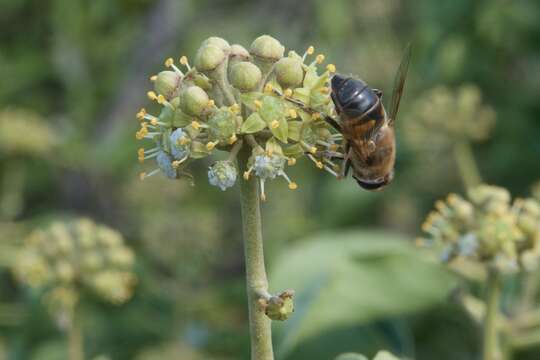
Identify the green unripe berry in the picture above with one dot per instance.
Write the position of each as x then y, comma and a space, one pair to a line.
267, 48
209, 57
245, 76
193, 100
217, 42
167, 83
289, 72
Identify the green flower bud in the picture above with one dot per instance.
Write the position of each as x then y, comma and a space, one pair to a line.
193, 100
167, 83
217, 42
289, 72
240, 52
280, 307
222, 125
267, 48
245, 76
209, 57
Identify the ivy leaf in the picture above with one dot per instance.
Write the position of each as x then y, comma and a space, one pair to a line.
352, 278
253, 124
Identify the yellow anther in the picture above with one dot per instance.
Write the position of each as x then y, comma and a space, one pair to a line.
211, 145
211, 103
319, 59
169, 62
310, 50
291, 161
235, 108
258, 104
140, 152
331, 68
246, 174
140, 115
142, 175
233, 139
320, 165
270, 152
183, 60
288, 93
419, 242
196, 125
161, 99
274, 124
176, 163
154, 121
153, 78
183, 140
151, 95
313, 149
293, 185
268, 88
315, 116
325, 90
293, 114
334, 147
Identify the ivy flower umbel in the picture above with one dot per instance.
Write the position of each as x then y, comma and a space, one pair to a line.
68, 257
233, 98
487, 228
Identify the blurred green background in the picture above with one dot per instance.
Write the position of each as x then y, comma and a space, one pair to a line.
73, 74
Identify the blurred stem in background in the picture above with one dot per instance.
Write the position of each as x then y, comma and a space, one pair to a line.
256, 280
75, 337
11, 198
468, 169
492, 348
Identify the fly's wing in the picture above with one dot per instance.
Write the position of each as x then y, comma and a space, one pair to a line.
399, 84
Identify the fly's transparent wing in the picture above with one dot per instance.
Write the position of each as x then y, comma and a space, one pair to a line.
399, 84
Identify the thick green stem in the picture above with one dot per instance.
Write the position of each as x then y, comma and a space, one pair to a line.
75, 339
468, 169
492, 347
257, 283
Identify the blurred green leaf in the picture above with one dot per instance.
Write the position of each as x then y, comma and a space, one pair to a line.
351, 356
353, 278
385, 355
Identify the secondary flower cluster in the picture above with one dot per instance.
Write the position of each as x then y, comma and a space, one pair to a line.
233, 97
487, 228
66, 258
442, 117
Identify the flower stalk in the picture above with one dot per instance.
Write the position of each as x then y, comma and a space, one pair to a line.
75, 338
256, 279
492, 347
468, 169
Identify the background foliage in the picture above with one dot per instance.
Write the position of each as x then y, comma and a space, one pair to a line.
73, 75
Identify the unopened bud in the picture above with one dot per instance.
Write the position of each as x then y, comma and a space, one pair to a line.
289, 72
245, 76
193, 100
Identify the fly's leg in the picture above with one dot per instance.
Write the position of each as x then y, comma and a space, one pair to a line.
346, 162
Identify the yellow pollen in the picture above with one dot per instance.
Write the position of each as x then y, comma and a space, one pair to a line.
274, 124
154, 121
293, 114
325, 90
151, 95
246, 174
291, 161
331, 68
288, 93
161, 99
270, 152
334, 147
268, 88
169, 62
140, 115
235, 108
258, 104
196, 125
310, 50
211, 145
211, 103
183, 140
176, 163
153, 78
319, 164
319, 59
141, 159
142, 176
233, 139
140, 152
293, 186
313, 149
183, 60
419, 242
315, 116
